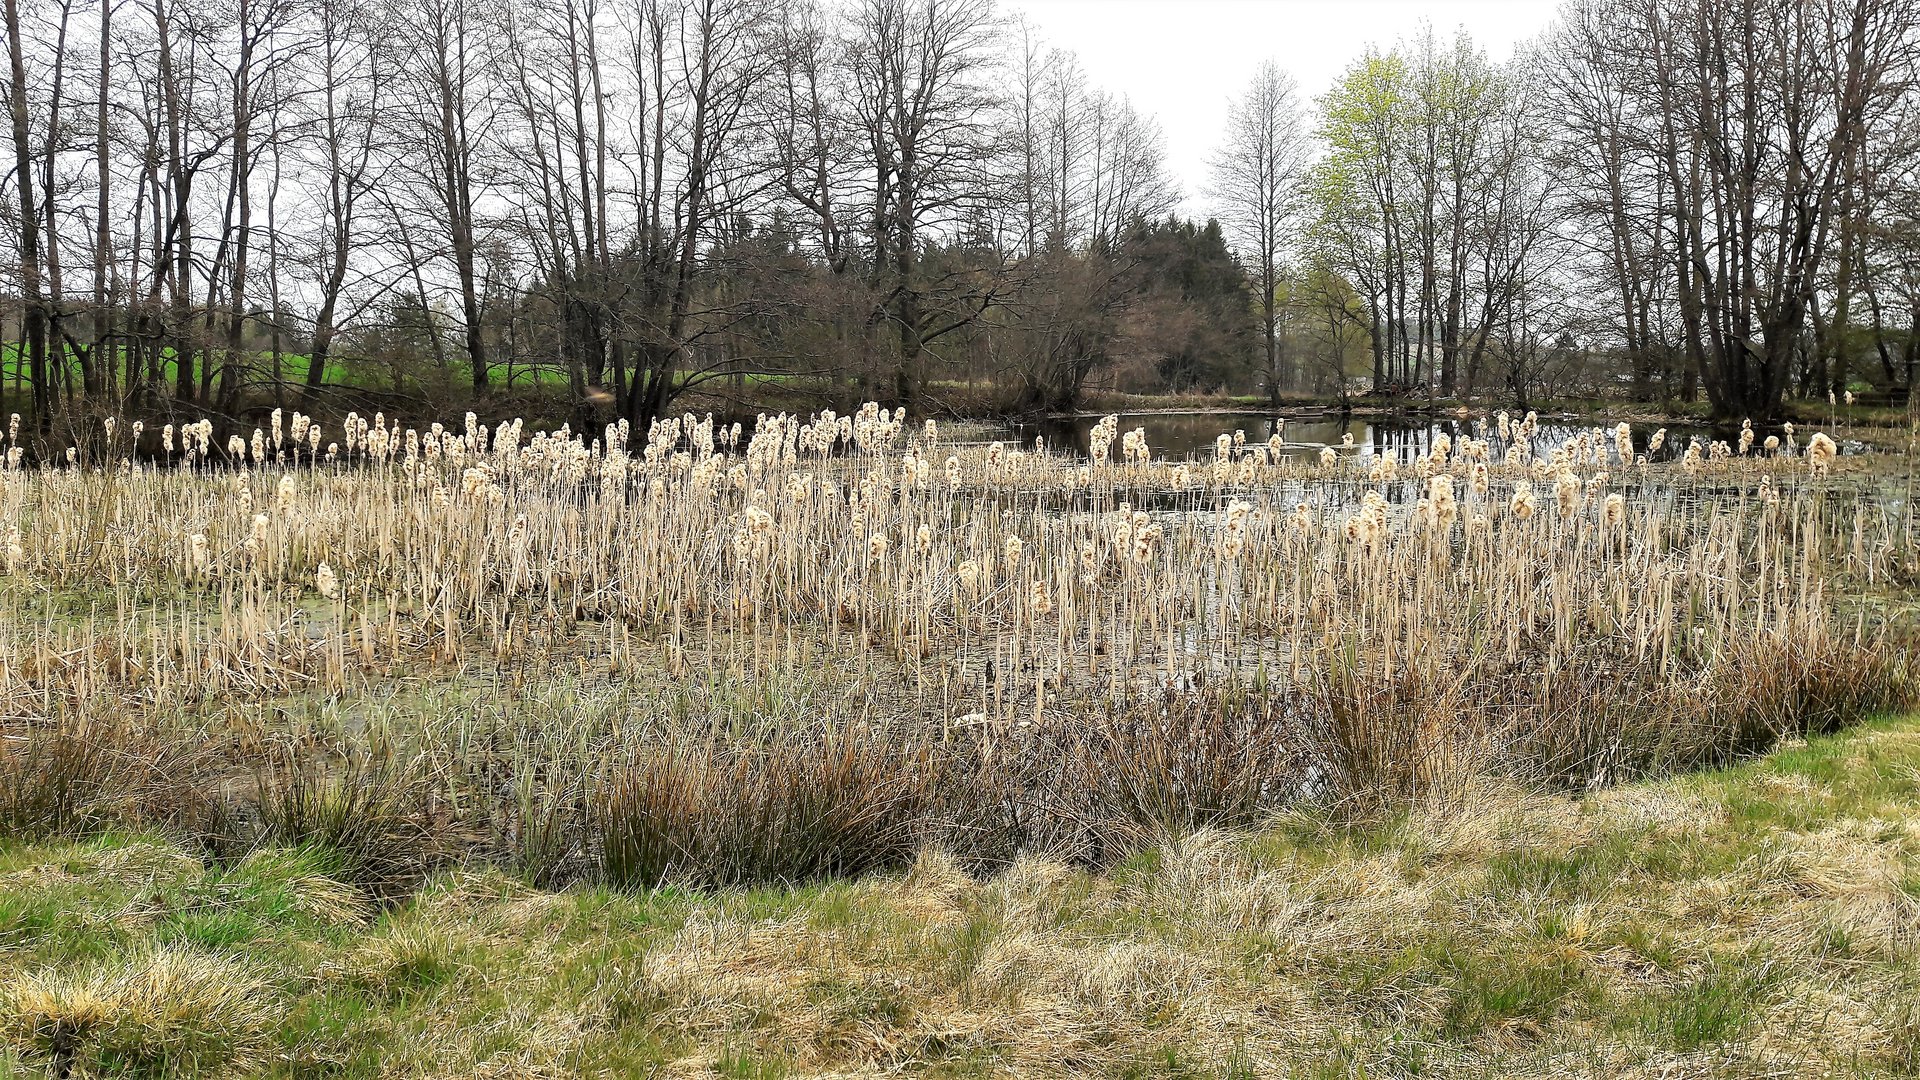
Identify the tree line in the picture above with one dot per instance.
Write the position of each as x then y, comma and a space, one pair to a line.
224, 206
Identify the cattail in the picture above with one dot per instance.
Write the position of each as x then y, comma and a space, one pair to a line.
1233, 536
1013, 549
16, 553
1615, 509
1038, 598
1523, 502
1772, 445
1328, 457
1746, 437
1821, 451
1566, 492
1654, 444
197, 555
1302, 518
1143, 544
877, 547
968, 574
324, 580
1442, 508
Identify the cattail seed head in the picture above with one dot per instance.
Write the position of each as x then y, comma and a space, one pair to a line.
1143, 544
1566, 492
1523, 503
1821, 451
1038, 599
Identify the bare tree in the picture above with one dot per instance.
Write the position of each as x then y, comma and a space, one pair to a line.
33, 291
917, 70
1256, 186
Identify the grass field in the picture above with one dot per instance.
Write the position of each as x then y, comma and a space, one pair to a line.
1760, 921
361, 373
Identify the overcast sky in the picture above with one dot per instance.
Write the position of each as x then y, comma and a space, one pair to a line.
1181, 60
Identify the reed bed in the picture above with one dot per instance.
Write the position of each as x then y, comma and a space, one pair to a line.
813, 647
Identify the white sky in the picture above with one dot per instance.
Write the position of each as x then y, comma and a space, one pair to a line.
1182, 60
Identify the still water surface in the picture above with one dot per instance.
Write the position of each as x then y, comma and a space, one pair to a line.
1177, 436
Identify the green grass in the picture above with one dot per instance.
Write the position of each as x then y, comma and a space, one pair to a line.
415, 375
1756, 919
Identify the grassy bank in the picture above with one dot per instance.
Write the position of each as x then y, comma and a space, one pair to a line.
1755, 921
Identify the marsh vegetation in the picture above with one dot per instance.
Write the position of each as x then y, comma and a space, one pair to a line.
833, 650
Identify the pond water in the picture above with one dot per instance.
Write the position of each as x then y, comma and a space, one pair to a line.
1180, 435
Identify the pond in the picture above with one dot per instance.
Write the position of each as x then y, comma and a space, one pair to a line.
1179, 435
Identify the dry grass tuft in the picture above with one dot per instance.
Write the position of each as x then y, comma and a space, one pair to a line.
73, 777
793, 805
168, 1012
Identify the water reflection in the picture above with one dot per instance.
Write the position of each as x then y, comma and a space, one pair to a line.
1176, 436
